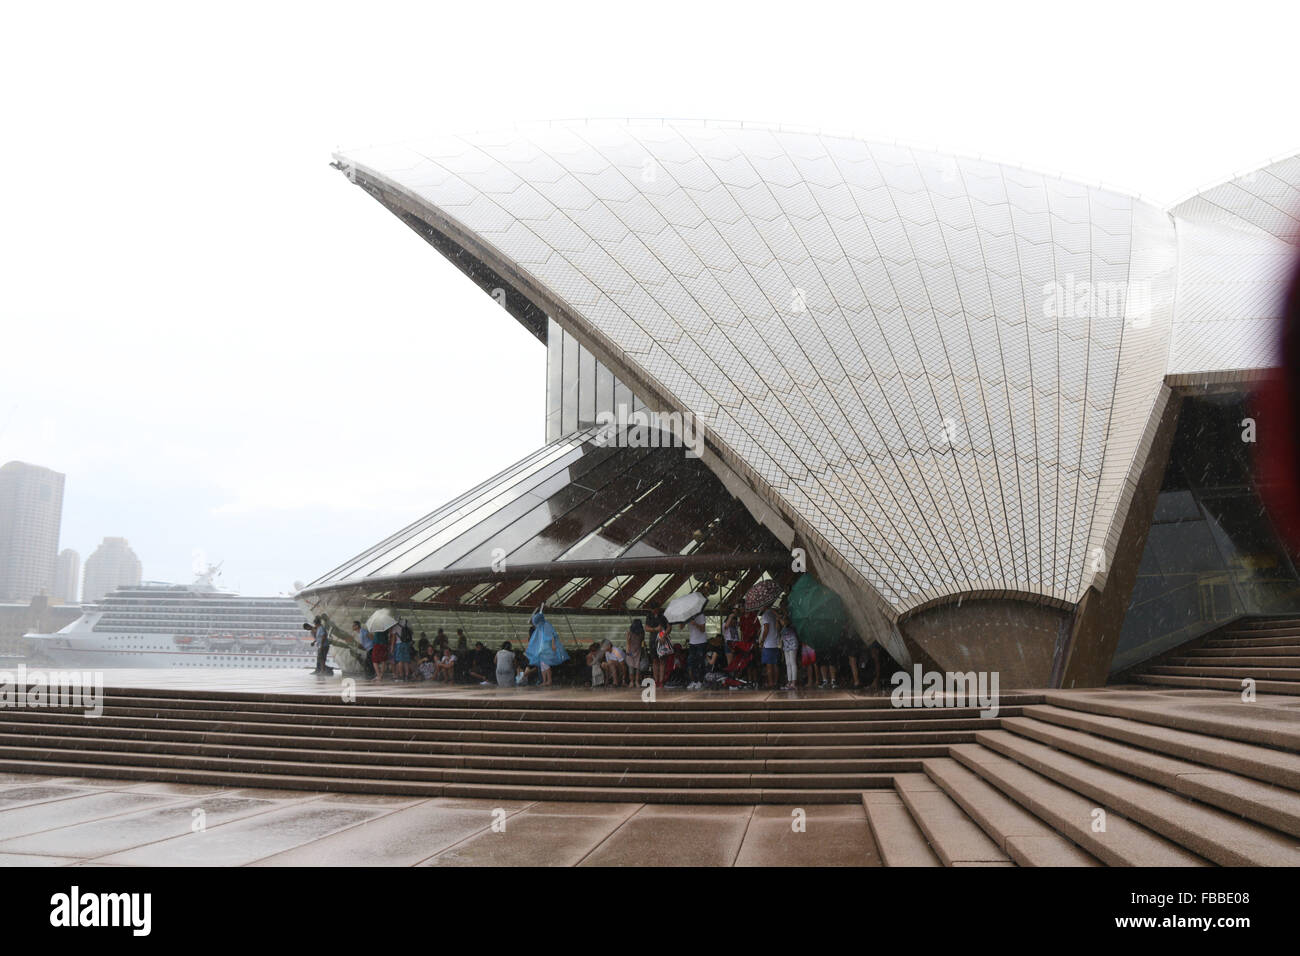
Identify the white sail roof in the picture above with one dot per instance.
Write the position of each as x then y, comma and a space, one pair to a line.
939, 371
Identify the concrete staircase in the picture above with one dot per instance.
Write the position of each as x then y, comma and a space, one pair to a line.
1085, 779
1116, 776
1267, 650
687, 749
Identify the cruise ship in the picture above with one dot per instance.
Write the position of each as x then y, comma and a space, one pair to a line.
181, 625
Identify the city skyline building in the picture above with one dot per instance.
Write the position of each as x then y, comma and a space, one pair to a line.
67, 576
31, 512
112, 565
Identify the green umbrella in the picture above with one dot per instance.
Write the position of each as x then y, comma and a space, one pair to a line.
817, 612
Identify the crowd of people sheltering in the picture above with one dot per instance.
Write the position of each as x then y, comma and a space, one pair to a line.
753, 647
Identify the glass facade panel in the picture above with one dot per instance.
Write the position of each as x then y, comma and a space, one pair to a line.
1212, 554
554, 380
578, 388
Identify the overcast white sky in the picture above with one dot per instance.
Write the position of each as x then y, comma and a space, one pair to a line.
230, 350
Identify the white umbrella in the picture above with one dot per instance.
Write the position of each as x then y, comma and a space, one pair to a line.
380, 621
685, 607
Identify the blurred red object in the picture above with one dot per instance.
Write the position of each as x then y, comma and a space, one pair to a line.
1277, 416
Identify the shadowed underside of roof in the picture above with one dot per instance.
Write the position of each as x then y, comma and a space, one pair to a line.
583, 526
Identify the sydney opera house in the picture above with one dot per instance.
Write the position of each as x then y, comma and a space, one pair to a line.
1005, 416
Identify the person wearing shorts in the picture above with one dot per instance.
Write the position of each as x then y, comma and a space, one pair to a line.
379, 655
402, 655
808, 658
614, 664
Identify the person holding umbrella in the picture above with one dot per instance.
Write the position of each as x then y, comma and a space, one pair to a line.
688, 610
761, 597
696, 652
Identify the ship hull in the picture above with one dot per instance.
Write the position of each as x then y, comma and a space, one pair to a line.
67, 650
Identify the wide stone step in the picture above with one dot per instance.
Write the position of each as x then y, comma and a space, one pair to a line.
1218, 683
594, 737
294, 750
1220, 837
424, 789
633, 783
952, 835
1240, 640
334, 710
1231, 717
535, 701
1235, 669
1211, 664
1205, 654
1262, 763
899, 840
1123, 843
486, 725
635, 729
1022, 836
91, 729
1271, 806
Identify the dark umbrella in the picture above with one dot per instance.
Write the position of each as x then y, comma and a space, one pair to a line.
817, 612
761, 595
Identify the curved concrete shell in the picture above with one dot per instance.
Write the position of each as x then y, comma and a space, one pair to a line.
941, 376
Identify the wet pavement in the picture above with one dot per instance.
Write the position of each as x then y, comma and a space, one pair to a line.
63, 821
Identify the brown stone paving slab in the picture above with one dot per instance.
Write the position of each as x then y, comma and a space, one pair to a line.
682, 811
563, 808
390, 801
97, 783
185, 789
476, 803
269, 793
832, 835
53, 814
667, 838
244, 841
402, 838
31, 859
23, 778
114, 834
532, 839
21, 796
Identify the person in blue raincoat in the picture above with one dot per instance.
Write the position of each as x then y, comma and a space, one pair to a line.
544, 647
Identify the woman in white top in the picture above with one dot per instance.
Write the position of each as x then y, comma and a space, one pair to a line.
614, 664
769, 638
